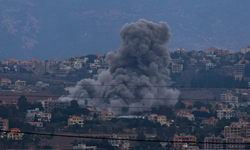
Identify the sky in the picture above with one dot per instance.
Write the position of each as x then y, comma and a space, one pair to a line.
64, 28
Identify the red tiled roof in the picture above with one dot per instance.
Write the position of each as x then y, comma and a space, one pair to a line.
12, 59
5, 79
35, 122
33, 59
244, 60
75, 117
192, 59
25, 62
4, 120
161, 116
212, 48
98, 55
15, 129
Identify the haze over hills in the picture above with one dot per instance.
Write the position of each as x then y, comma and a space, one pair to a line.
62, 28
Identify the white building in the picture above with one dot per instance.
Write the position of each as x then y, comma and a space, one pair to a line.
77, 65
225, 113
30, 115
41, 84
244, 50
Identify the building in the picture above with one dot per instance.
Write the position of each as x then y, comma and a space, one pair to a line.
5, 82
179, 141
204, 61
84, 60
186, 114
106, 115
4, 124
244, 61
30, 115
239, 71
25, 63
225, 113
210, 65
181, 50
98, 55
213, 143
237, 129
116, 141
162, 119
187, 147
215, 51
77, 65
36, 124
50, 105
75, 120
41, 84
12, 61
84, 147
40, 68
235, 143
5, 62
188, 104
15, 134
228, 98
52, 62
45, 117
203, 109
34, 60
210, 121
177, 68
178, 60
20, 83
211, 50
193, 61
245, 50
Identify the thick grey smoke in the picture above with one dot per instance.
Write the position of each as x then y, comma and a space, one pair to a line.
137, 76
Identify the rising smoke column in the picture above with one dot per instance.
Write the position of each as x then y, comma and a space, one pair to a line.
137, 76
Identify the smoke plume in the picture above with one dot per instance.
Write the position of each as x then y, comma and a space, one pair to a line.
137, 77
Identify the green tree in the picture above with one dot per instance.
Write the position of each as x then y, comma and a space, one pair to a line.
74, 104
23, 104
198, 104
180, 105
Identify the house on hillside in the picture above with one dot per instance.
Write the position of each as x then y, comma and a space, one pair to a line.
5, 62
4, 124
228, 97
77, 65
36, 124
15, 134
177, 68
193, 61
184, 113
34, 60
210, 121
179, 141
245, 50
5, 82
76, 120
181, 50
12, 61
106, 115
98, 55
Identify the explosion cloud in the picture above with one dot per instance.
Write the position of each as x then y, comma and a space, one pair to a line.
137, 76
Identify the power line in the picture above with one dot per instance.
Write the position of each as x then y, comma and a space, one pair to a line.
170, 86
125, 139
101, 97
